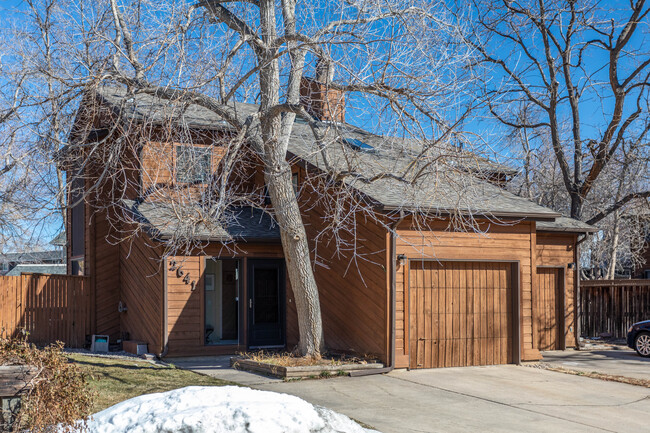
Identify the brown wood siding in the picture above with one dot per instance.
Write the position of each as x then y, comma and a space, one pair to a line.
547, 309
461, 313
185, 311
353, 292
558, 250
105, 272
498, 243
141, 275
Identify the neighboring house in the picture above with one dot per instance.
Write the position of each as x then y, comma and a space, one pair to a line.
51, 269
10, 260
420, 297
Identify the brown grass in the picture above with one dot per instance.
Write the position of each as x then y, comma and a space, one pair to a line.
287, 359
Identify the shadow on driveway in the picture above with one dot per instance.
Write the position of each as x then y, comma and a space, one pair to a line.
618, 362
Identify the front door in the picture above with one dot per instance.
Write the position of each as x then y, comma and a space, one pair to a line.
266, 303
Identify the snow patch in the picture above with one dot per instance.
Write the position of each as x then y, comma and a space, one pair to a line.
220, 409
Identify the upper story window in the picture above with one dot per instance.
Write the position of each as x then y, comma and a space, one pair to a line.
193, 164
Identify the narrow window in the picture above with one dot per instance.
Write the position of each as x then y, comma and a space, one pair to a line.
77, 225
193, 164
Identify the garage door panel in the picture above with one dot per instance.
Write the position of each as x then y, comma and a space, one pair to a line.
462, 315
547, 299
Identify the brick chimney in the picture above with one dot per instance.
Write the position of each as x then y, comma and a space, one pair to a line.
319, 98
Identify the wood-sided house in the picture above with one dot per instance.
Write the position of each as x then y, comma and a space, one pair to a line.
421, 297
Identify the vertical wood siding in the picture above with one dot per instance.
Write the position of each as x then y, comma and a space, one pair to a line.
49, 307
558, 250
611, 306
547, 309
461, 313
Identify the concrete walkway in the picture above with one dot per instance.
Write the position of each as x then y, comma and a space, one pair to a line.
219, 367
615, 361
504, 398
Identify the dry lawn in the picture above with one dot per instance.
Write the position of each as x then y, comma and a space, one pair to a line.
116, 380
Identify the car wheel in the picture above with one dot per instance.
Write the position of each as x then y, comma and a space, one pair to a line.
642, 344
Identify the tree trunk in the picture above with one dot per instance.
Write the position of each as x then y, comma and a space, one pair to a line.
277, 175
296, 252
613, 249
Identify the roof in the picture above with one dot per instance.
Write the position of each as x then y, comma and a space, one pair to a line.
451, 189
56, 269
565, 224
59, 240
34, 257
169, 220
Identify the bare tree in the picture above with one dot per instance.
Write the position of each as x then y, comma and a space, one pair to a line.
401, 67
582, 70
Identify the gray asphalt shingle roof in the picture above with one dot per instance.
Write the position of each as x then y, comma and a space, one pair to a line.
440, 182
565, 224
55, 269
170, 220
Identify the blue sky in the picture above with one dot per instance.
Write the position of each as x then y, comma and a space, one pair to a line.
361, 113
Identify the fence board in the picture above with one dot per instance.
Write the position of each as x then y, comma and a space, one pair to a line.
48, 307
612, 306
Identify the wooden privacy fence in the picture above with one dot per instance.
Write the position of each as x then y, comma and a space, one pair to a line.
612, 306
49, 307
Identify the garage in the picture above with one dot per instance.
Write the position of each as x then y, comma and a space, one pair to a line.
461, 313
548, 304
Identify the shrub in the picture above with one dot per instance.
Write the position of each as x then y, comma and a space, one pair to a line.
58, 392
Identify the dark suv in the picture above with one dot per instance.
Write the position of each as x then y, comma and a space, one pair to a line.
638, 338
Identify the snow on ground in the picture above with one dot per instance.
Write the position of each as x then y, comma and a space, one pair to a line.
219, 409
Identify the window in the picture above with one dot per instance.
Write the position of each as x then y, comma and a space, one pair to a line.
359, 145
193, 164
294, 182
77, 266
77, 225
5, 267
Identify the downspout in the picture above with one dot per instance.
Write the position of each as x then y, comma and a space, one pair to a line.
393, 307
165, 334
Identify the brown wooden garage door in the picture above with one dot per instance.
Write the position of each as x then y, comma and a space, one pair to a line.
460, 314
547, 316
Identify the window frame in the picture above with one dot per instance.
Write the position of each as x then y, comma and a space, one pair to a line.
207, 151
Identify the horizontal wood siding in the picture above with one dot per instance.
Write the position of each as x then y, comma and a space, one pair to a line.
496, 243
185, 311
50, 307
142, 292
558, 250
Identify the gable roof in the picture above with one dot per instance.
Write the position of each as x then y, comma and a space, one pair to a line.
446, 183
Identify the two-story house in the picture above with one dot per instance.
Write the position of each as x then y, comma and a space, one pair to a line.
426, 293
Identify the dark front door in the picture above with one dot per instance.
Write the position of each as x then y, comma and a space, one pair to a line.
265, 303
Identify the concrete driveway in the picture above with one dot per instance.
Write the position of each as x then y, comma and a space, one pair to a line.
620, 361
504, 398
480, 399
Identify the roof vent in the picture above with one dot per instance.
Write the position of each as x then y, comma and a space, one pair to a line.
359, 145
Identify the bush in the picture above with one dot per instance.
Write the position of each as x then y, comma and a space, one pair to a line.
58, 392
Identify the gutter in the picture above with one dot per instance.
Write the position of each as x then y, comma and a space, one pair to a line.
393, 307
